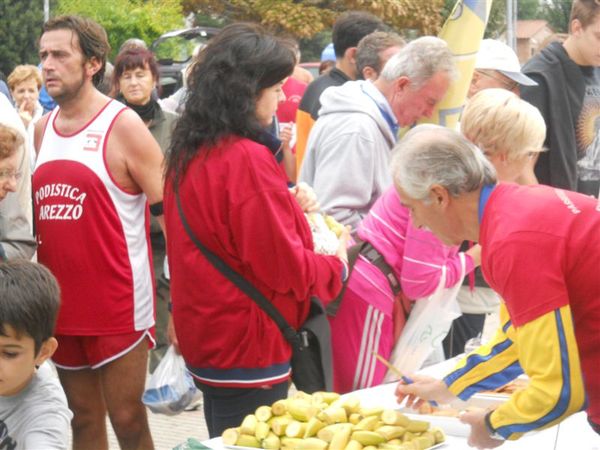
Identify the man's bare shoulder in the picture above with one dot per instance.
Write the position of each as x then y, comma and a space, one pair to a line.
38, 130
127, 123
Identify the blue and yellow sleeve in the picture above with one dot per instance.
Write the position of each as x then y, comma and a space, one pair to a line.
548, 353
490, 366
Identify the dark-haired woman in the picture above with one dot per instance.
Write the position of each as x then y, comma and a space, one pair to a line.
236, 200
135, 77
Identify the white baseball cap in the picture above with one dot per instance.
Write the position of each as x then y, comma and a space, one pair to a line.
496, 55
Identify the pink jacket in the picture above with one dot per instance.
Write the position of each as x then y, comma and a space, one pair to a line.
416, 256
365, 323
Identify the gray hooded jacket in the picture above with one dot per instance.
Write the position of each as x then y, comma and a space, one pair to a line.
348, 151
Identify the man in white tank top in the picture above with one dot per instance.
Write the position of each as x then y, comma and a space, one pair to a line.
98, 167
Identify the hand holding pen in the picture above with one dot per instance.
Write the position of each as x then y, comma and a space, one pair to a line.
419, 389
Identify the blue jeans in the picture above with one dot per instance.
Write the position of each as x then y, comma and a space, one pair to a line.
226, 407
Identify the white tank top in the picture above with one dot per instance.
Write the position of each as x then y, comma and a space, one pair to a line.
92, 234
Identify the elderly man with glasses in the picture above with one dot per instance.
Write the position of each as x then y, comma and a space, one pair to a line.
497, 66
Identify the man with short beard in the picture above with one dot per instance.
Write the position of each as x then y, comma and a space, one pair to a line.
97, 169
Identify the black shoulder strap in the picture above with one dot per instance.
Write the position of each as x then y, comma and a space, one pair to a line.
353, 253
288, 332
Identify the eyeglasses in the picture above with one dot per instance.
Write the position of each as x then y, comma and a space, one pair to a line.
508, 84
8, 174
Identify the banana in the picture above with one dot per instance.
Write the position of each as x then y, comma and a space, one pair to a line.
279, 424
279, 408
312, 427
368, 437
325, 397
390, 432
326, 434
333, 415
388, 446
354, 445
271, 442
334, 225
366, 424
439, 435
262, 430
263, 413
301, 395
341, 437
417, 426
287, 442
246, 440
295, 429
351, 405
408, 436
354, 418
391, 417
248, 425
304, 444
230, 436
423, 442
301, 410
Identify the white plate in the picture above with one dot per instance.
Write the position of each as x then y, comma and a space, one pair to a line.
235, 447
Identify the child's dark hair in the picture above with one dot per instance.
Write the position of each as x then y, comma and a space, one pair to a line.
29, 300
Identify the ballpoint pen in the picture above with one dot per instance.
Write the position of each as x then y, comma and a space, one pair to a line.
403, 377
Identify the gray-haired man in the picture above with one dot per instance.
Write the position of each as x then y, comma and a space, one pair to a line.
551, 311
349, 148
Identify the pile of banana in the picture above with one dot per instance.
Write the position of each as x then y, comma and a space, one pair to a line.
324, 421
325, 231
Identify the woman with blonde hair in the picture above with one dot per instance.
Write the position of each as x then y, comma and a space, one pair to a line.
511, 133
508, 130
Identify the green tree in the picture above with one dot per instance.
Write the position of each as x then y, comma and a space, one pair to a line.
124, 19
306, 18
528, 9
20, 25
557, 13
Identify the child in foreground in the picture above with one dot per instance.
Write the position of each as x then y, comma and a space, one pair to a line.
33, 406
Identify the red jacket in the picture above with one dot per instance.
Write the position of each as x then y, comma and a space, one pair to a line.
237, 203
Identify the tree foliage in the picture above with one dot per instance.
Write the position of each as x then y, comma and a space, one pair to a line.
124, 19
557, 13
20, 25
306, 18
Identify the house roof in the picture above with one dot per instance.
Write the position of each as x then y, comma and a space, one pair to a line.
529, 28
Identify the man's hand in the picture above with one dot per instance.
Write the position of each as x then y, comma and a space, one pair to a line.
306, 197
479, 437
423, 389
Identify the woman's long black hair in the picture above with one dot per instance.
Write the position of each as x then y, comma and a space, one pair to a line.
223, 87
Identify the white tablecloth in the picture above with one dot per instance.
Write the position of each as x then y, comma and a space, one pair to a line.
572, 434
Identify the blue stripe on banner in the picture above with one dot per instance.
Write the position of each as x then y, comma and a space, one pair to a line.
565, 392
475, 359
478, 7
494, 381
506, 326
241, 375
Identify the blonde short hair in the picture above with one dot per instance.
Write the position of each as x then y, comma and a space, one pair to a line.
496, 120
10, 140
24, 73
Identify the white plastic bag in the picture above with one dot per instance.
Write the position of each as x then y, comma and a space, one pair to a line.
171, 388
426, 327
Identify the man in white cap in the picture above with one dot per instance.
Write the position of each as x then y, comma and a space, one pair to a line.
497, 66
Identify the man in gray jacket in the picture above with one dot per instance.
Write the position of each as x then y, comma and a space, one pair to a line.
349, 148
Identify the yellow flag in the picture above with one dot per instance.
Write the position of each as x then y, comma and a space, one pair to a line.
463, 31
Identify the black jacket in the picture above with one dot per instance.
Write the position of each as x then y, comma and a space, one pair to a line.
559, 97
